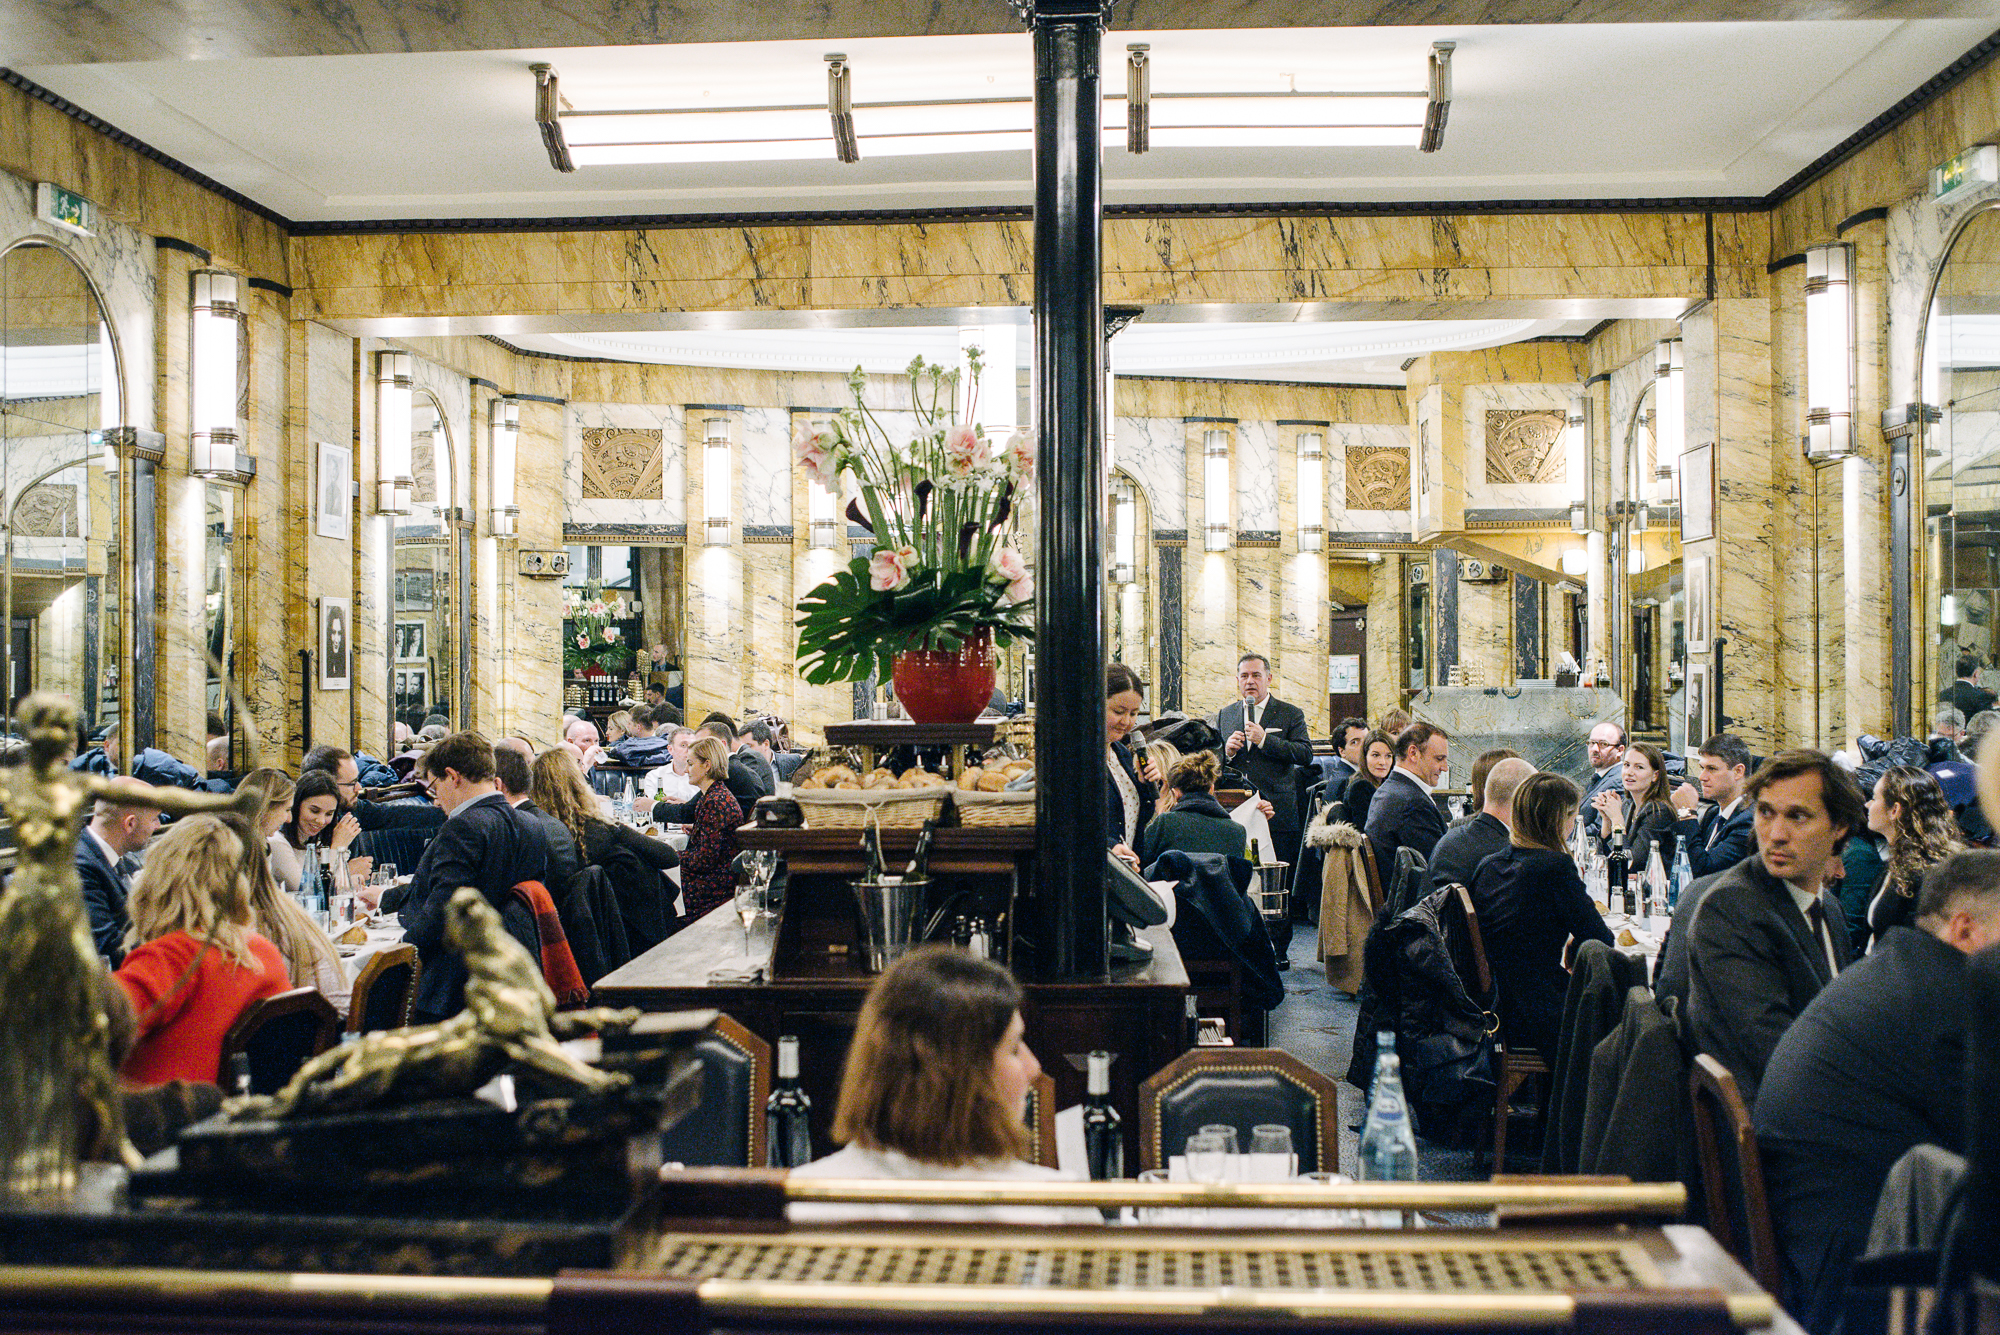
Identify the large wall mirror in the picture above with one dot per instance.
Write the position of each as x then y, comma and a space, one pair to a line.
638, 594
1648, 583
1960, 364
59, 571
426, 634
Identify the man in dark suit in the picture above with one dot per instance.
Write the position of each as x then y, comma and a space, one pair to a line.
1872, 1068
1768, 936
484, 842
340, 763
1266, 739
1721, 837
1607, 770
512, 771
1403, 814
115, 832
1470, 842
1966, 695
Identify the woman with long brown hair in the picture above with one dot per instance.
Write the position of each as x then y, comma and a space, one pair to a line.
1908, 810
936, 1087
1639, 815
310, 957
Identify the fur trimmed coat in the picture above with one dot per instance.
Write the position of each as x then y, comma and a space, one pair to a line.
1345, 914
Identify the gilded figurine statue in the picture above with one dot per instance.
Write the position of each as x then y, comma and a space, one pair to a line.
58, 1094
510, 1025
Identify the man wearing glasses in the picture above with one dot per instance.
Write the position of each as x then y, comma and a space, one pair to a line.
424, 818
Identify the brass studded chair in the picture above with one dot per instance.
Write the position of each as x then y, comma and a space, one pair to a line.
1243, 1088
279, 1035
726, 1130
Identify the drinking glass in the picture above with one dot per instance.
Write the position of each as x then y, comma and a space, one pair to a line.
1272, 1139
751, 900
1230, 1144
1207, 1158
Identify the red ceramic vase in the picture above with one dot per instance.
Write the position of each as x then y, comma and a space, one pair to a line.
947, 686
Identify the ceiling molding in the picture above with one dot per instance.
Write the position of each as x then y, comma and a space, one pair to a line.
1901, 111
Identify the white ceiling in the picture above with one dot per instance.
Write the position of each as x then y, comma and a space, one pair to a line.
1573, 111
1353, 352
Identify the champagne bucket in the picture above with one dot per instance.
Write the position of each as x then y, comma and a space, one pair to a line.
890, 911
1267, 890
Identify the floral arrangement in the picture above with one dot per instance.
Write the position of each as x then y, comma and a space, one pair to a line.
937, 506
592, 638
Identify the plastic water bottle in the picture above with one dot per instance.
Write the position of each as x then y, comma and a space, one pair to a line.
622, 808
312, 886
1656, 891
1388, 1142
1682, 875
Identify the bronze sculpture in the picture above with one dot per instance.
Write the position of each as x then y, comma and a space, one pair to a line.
57, 1088
510, 1024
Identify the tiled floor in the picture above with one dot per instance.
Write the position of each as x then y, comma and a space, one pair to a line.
1315, 1023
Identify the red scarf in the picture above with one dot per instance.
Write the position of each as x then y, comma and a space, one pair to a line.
558, 964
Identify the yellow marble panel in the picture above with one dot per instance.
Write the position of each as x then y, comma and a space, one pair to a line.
1388, 647
1255, 401
180, 638
1864, 504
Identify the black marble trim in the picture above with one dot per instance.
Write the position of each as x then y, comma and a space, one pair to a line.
1855, 220
1171, 583
1299, 421
1170, 535
1249, 536
1785, 263
481, 380
1604, 376
1232, 421
714, 407
139, 146
1378, 539
1444, 580
767, 532
627, 532
539, 398
510, 394
271, 285
175, 243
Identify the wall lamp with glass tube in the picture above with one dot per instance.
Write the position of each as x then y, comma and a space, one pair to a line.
1829, 432
1124, 536
1576, 451
1312, 491
214, 367
1669, 400
504, 424
1216, 491
716, 480
393, 385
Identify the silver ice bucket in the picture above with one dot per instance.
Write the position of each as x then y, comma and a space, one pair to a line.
891, 910
1267, 890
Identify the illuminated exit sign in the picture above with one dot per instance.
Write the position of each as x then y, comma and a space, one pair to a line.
1978, 165
65, 209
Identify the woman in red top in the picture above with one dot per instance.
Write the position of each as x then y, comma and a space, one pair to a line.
193, 962
707, 880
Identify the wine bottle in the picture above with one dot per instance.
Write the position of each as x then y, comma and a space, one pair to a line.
1618, 873
787, 1136
871, 848
1103, 1143
1193, 1021
920, 856
1256, 856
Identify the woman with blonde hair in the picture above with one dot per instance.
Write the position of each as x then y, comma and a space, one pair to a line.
936, 1087
194, 960
310, 956
707, 880
1190, 818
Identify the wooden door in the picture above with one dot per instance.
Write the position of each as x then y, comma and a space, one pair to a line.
1347, 665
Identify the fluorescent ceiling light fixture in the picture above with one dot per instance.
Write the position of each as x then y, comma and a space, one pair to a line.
849, 131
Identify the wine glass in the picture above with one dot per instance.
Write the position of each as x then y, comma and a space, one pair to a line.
1207, 1156
1273, 1139
751, 900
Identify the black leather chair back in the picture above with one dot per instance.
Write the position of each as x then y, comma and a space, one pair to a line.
1243, 1088
1409, 882
403, 847
279, 1034
726, 1129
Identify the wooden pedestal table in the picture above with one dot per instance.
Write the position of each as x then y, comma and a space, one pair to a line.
815, 975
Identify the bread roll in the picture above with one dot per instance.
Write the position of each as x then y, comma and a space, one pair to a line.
990, 782
969, 780
878, 778
835, 775
848, 786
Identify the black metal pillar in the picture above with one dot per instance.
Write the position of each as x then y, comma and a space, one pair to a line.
1901, 591
1069, 418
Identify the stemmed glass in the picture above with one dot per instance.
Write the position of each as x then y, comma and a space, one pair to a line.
1207, 1157
753, 897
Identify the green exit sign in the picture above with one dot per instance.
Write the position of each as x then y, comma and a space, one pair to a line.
65, 209
1978, 165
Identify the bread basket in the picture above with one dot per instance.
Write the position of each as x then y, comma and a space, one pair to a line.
1001, 808
893, 808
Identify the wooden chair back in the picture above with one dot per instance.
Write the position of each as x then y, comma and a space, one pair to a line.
384, 991
1376, 896
1732, 1174
1240, 1087
1469, 949
279, 1035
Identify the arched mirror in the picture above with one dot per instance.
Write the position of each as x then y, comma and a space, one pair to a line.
59, 512
1648, 599
1960, 370
1129, 604
426, 632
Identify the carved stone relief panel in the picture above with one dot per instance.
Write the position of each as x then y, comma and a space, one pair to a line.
1378, 477
47, 510
423, 467
623, 463
1525, 445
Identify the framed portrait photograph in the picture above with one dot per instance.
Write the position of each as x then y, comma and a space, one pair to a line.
336, 644
1700, 605
1698, 494
333, 496
1698, 729
410, 647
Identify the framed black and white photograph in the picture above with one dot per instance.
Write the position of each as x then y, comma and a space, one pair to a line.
1698, 494
410, 647
1698, 730
412, 690
333, 498
1700, 605
335, 643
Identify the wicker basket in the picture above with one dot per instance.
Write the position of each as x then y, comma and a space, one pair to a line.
1002, 808
850, 807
